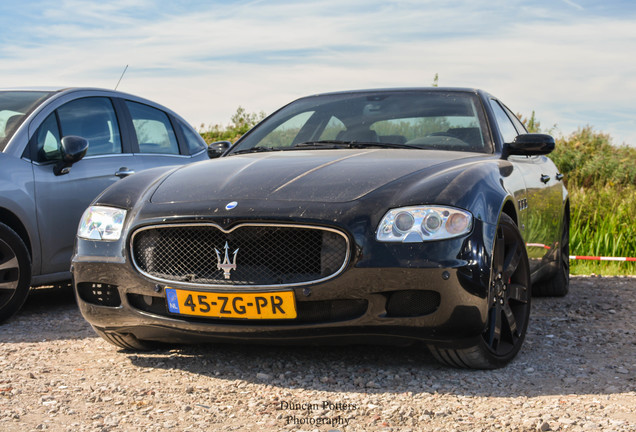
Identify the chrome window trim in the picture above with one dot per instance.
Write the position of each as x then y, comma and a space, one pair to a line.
228, 287
163, 155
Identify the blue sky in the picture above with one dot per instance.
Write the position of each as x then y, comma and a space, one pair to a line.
571, 61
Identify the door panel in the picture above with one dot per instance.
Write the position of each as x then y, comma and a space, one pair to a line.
62, 200
542, 208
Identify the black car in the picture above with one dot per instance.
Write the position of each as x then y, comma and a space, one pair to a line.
387, 216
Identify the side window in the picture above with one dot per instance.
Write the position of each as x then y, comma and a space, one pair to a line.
193, 140
506, 128
153, 128
94, 119
521, 129
48, 140
285, 133
333, 128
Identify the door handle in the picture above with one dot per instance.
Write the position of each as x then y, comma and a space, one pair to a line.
124, 172
559, 176
545, 178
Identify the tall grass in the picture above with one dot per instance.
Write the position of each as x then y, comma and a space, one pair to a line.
603, 223
601, 180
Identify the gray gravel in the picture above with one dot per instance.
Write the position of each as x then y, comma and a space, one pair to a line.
576, 372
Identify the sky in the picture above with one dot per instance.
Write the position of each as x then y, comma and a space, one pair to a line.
572, 62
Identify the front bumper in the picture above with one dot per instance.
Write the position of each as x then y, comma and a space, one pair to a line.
388, 293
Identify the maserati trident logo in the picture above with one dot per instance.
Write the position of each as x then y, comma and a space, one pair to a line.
225, 265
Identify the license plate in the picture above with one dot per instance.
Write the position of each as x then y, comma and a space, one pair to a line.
271, 305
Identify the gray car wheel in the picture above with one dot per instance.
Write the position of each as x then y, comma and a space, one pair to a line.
15, 272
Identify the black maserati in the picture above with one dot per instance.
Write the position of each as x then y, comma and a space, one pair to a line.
375, 216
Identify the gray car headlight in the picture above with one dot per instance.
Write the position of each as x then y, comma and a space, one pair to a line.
423, 223
101, 223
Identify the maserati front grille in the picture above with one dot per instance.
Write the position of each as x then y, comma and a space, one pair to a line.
250, 254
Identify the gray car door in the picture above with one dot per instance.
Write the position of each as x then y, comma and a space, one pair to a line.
61, 200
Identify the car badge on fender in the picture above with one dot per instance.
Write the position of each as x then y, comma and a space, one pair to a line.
231, 205
225, 265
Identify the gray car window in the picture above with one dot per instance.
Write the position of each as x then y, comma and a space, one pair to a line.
153, 128
94, 119
193, 140
48, 139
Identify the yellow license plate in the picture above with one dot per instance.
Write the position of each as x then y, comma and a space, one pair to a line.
271, 305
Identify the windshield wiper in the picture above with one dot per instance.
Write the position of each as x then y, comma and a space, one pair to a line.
255, 150
351, 144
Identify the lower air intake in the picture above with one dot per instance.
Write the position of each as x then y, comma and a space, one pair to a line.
412, 303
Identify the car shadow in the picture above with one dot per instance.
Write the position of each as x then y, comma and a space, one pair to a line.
49, 313
568, 350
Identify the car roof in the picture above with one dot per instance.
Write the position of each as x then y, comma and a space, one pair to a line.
404, 89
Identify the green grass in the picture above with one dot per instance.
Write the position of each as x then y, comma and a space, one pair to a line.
601, 180
603, 223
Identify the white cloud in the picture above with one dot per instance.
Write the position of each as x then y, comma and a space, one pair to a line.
205, 62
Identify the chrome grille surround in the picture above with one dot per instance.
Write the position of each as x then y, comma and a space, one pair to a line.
322, 252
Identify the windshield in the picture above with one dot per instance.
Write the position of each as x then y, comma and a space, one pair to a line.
415, 119
14, 106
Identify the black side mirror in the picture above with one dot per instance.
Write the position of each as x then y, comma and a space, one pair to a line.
530, 144
216, 149
73, 149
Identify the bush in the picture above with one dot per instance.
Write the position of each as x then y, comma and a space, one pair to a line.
241, 122
588, 158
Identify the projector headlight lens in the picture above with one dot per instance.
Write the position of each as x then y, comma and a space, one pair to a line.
423, 223
101, 223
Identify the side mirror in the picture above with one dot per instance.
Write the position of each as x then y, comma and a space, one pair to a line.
216, 149
530, 144
73, 149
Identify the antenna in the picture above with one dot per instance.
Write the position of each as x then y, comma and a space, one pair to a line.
122, 75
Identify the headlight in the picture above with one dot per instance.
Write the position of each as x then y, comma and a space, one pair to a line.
101, 223
423, 223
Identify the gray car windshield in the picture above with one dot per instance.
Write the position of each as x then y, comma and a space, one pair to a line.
411, 119
14, 107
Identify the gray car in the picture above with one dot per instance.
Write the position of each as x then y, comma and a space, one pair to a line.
59, 148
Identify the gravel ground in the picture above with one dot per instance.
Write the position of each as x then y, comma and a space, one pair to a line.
576, 372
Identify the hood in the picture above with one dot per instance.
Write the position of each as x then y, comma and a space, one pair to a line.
307, 175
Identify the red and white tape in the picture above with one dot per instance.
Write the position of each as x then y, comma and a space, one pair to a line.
588, 258
601, 258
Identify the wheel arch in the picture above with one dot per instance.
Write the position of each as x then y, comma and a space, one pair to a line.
12, 221
510, 209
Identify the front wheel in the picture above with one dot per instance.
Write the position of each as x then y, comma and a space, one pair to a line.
125, 341
15, 272
509, 306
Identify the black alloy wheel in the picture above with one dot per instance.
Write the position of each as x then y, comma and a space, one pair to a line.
126, 341
15, 272
508, 310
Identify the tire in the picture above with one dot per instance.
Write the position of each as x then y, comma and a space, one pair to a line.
125, 341
509, 306
15, 272
559, 284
